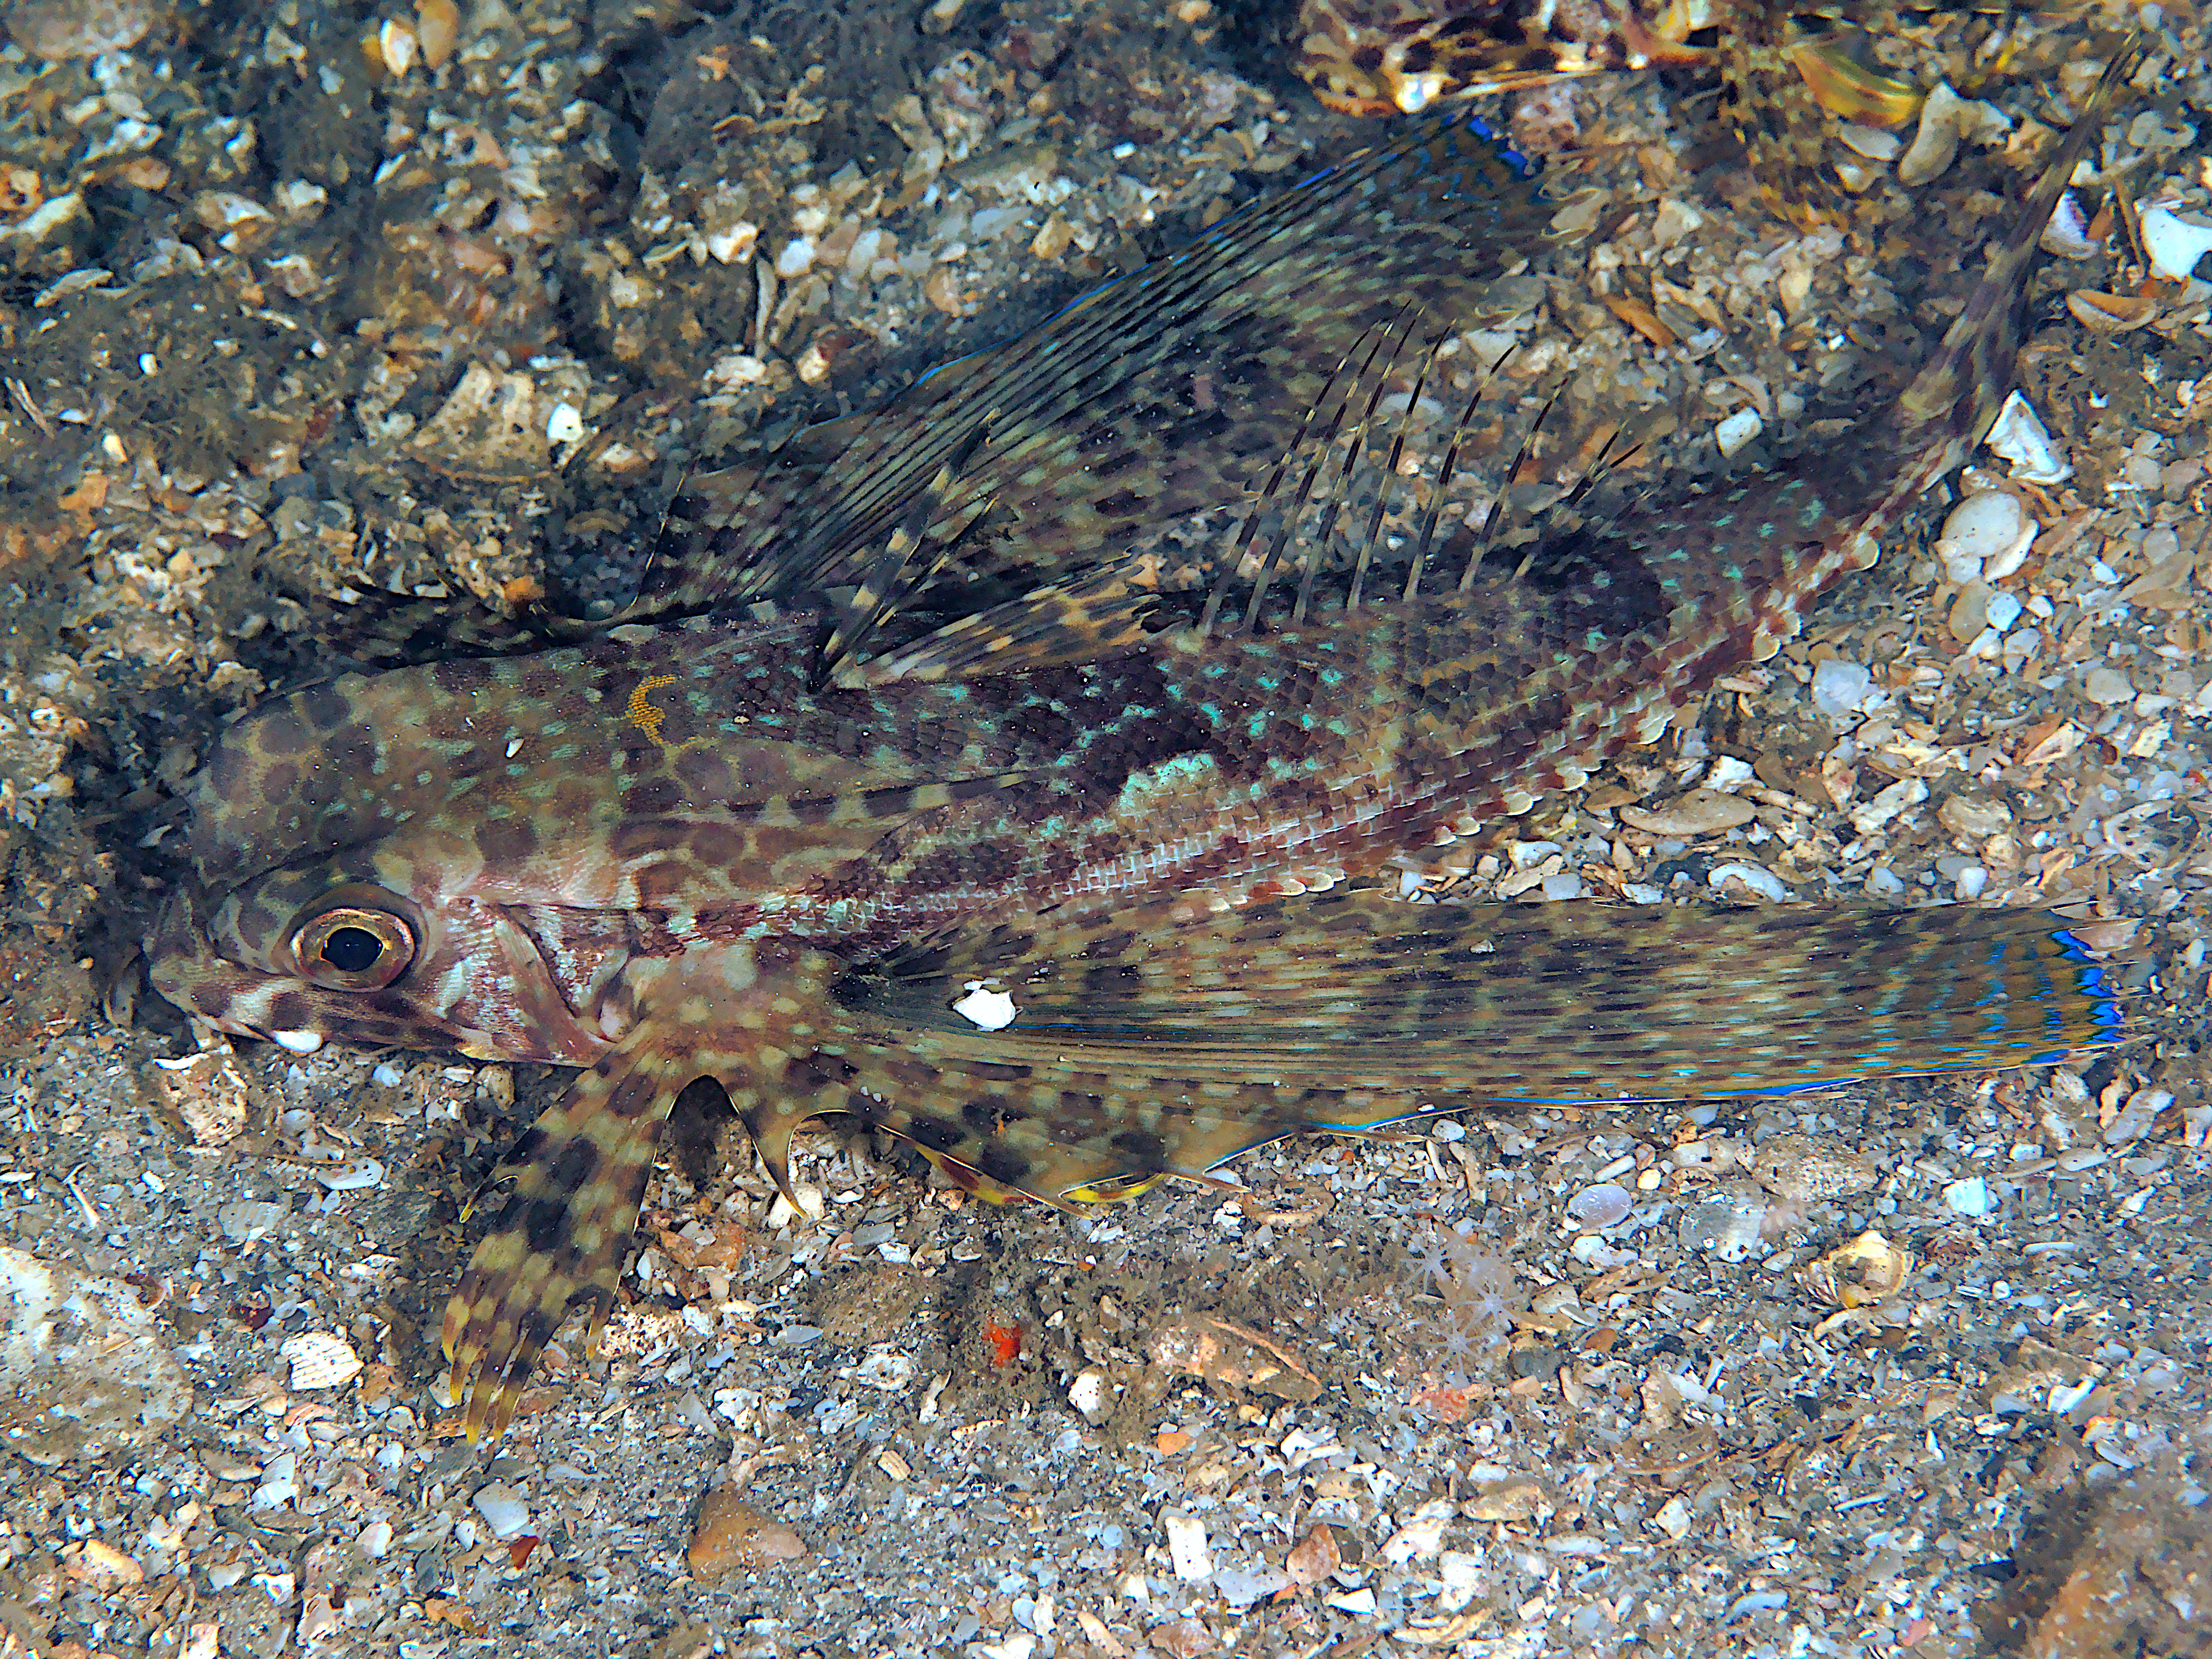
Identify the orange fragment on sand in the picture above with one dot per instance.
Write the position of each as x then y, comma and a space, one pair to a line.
1004, 1342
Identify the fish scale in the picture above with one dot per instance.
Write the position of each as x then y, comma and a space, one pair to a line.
1071, 918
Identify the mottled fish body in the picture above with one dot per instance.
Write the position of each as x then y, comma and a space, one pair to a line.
1066, 904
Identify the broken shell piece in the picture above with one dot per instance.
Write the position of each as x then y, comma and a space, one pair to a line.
320, 1359
2173, 245
438, 25
2110, 314
1868, 1270
2067, 235
1986, 536
1936, 144
391, 48
1870, 142
2018, 436
1945, 119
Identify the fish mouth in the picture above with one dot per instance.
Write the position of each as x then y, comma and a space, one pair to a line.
175, 941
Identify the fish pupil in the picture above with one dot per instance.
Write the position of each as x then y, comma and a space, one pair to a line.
352, 950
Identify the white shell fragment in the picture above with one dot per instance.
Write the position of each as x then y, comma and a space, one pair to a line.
84, 1370
1971, 1197
1868, 1270
1986, 537
2067, 235
2020, 438
2174, 245
297, 1042
320, 1359
1186, 1545
994, 1011
356, 1175
1945, 119
565, 425
503, 1510
1842, 688
1737, 430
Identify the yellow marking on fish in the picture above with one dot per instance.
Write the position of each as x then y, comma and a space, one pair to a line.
641, 711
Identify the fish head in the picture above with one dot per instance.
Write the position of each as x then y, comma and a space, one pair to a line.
491, 854
373, 863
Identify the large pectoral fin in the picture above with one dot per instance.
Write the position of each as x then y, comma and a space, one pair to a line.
1146, 1044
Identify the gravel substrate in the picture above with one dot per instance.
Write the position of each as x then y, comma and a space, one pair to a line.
450, 296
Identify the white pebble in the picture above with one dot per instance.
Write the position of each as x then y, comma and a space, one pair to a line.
1737, 430
1989, 529
1761, 881
1565, 884
794, 257
2019, 437
1969, 882
1971, 1197
2003, 611
2174, 245
1840, 686
1595, 1208
1883, 882
565, 425
503, 1510
1186, 1545
1090, 1395
2108, 686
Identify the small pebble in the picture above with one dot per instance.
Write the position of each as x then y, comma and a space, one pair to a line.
1700, 812
1841, 687
503, 1510
2108, 686
1971, 1197
1737, 430
1603, 1205
731, 1534
1935, 142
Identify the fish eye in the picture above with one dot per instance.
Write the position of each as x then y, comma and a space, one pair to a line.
353, 949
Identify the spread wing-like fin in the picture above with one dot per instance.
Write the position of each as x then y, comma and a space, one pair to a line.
1169, 390
1533, 1004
